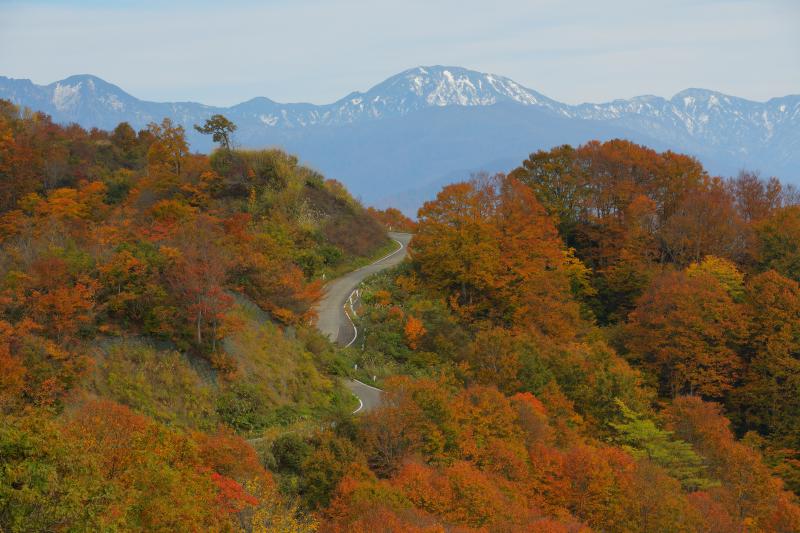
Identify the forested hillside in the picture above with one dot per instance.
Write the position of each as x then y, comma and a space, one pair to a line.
605, 339
155, 308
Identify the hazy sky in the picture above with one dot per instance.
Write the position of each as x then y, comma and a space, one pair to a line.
225, 52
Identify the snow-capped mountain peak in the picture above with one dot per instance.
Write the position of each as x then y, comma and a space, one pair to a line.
69, 93
416, 89
442, 86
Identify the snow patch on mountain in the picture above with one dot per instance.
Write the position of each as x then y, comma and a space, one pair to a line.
113, 101
269, 120
66, 96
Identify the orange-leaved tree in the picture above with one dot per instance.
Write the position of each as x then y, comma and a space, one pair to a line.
687, 330
489, 245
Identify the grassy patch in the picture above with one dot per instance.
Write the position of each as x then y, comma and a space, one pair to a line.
284, 378
158, 383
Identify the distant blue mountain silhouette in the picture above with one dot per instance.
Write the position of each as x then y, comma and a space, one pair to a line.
400, 141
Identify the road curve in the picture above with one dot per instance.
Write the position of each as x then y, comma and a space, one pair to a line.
369, 397
333, 322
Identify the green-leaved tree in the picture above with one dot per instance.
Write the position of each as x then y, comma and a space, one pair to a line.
643, 439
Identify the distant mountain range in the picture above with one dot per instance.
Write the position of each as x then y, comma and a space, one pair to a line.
400, 141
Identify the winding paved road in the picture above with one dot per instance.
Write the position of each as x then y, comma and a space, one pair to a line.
333, 320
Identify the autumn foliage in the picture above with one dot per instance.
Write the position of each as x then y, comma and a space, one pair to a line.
475, 460
392, 219
605, 339
124, 257
496, 253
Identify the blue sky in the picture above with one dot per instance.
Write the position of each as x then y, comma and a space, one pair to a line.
313, 50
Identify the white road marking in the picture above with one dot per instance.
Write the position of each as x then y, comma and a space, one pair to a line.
370, 386
360, 404
350, 299
384, 257
391, 254
355, 329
